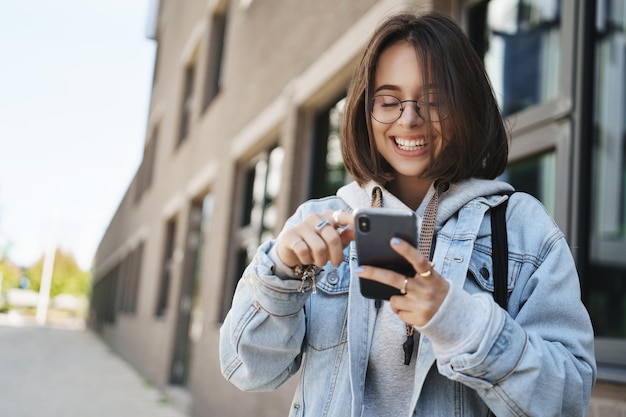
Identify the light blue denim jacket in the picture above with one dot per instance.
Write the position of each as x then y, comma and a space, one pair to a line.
536, 359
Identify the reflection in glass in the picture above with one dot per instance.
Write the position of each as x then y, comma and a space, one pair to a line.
262, 187
329, 173
520, 43
535, 176
606, 277
197, 308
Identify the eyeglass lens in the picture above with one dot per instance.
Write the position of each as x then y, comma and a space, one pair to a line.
388, 109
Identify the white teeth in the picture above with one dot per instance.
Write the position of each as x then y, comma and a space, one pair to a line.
410, 144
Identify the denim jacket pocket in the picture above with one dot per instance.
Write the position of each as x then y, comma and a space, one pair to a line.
326, 310
481, 272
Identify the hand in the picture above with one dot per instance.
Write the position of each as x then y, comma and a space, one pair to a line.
317, 239
423, 294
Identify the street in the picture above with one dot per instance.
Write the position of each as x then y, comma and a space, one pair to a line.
70, 372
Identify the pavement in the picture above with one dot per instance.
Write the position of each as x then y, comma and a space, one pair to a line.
68, 371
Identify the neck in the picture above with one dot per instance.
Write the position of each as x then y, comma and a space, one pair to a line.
410, 190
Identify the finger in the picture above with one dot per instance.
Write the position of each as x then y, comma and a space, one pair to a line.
344, 222
301, 250
332, 245
318, 252
384, 276
421, 264
347, 235
342, 218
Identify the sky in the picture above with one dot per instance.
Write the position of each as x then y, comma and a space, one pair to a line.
75, 80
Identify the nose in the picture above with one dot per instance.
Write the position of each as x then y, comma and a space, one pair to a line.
410, 116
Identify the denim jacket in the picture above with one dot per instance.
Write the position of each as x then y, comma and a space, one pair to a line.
535, 359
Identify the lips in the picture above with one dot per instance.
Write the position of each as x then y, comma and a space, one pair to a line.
409, 145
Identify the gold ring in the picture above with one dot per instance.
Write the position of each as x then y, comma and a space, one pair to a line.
427, 273
403, 289
321, 225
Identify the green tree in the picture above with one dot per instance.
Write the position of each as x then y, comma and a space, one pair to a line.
67, 277
11, 274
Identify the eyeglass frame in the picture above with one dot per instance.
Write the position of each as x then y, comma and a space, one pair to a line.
401, 102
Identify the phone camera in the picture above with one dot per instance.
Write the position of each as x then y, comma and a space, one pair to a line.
364, 224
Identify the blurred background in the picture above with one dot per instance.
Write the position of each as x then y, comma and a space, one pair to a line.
75, 87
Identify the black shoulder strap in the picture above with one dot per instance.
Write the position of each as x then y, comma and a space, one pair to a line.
500, 254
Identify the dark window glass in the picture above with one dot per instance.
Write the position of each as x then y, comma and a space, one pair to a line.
259, 219
329, 172
187, 103
606, 282
520, 44
215, 52
536, 176
167, 268
189, 314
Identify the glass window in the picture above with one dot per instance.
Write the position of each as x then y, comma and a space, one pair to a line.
215, 50
190, 312
167, 269
146, 169
536, 176
259, 218
187, 103
606, 282
329, 173
520, 44
128, 287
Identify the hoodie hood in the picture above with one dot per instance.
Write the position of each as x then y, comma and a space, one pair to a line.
450, 201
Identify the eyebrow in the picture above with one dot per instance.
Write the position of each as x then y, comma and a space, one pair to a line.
392, 87
387, 87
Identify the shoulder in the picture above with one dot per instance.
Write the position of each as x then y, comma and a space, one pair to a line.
530, 227
521, 204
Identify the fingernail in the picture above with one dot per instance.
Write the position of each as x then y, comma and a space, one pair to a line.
395, 241
359, 269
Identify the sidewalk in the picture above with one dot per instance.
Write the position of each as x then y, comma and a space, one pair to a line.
57, 372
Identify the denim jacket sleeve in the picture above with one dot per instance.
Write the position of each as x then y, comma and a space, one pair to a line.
537, 359
262, 336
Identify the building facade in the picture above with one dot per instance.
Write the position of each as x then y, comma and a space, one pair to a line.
243, 126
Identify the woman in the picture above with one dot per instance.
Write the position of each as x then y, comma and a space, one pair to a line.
422, 131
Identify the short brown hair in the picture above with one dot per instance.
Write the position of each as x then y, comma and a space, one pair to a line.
474, 135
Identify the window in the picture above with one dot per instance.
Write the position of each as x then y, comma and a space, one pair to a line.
606, 285
146, 169
169, 262
129, 280
215, 51
329, 172
187, 103
260, 181
155, 70
103, 299
189, 320
520, 43
536, 176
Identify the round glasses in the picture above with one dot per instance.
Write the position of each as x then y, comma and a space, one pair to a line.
430, 107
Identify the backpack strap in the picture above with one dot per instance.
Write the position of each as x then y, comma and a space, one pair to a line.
500, 254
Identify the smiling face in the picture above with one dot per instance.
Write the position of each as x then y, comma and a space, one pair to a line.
406, 143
